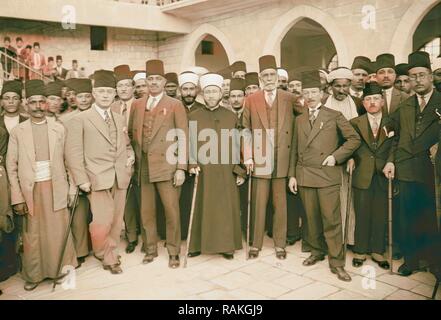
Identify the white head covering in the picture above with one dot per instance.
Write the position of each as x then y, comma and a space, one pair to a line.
436, 64
211, 79
186, 77
198, 70
140, 75
340, 73
282, 73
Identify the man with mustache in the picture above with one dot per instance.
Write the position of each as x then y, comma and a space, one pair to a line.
171, 86
386, 76
155, 117
39, 188
216, 223
53, 92
416, 124
100, 159
268, 118
322, 141
189, 87
141, 89
71, 101
238, 70
360, 71
402, 82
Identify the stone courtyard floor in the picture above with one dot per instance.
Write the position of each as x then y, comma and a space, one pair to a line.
213, 277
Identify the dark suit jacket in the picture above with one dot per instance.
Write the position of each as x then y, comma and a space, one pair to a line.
398, 97
412, 153
311, 146
371, 157
359, 104
2, 123
255, 119
170, 116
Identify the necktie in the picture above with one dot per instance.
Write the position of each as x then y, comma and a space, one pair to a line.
124, 111
270, 98
37, 60
375, 127
423, 103
152, 104
312, 117
107, 118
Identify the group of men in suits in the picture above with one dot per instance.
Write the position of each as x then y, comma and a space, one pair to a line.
124, 160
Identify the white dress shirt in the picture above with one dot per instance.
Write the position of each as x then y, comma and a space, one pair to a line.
419, 97
375, 119
388, 93
157, 99
102, 112
274, 94
129, 107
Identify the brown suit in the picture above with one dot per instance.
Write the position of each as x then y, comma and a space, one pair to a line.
320, 186
92, 156
148, 131
269, 174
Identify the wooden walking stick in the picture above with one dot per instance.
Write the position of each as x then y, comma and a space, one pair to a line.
389, 207
193, 203
66, 237
348, 212
247, 248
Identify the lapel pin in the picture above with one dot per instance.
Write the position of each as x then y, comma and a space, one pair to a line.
437, 113
321, 125
164, 111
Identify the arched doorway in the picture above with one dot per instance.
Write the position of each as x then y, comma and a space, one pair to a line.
211, 54
427, 36
307, 43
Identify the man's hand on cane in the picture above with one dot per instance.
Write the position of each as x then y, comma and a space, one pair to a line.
389, 170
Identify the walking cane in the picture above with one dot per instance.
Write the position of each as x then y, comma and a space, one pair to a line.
248, 216
348, 212
389, 200
193, 203
66, 237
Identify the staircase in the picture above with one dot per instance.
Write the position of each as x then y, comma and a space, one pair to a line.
17, 70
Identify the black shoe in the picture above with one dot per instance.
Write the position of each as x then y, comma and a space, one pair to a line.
269, 234
148, 258
341, 274
253, 254
173, 262
305, 247
397, 256
404, 270
29, 286
80, 261
312, 260
131, 246
194, 254
102, 259
291, 241
357, 263
281, 254
382, 264
228, 256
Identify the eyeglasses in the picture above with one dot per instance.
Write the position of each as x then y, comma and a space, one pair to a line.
109, 91
421, 76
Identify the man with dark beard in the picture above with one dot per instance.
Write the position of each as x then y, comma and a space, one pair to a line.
188, 85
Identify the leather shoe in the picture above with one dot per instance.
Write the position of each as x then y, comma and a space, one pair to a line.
194, 254
404, 270
253, 254
312, 260
102, 259
341, 274
382, 264
149, 258
131, 246
281, 254
29, 286
173, 262
357, 263
228, 256
114, 268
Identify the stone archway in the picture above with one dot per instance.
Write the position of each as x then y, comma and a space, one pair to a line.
401, 44
289, 19
195, 38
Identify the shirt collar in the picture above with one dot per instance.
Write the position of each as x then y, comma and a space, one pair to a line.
158, 97
273, 91
101, 111
375, 117
426, 96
